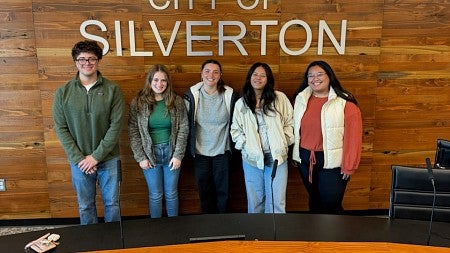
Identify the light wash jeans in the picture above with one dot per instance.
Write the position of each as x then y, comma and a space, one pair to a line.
85, 186
258, 186
161, 179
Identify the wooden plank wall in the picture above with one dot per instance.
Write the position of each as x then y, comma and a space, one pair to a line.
396, 62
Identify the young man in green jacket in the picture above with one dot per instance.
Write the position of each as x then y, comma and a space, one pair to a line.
88, 114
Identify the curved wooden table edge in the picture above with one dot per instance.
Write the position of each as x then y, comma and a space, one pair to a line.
284, 247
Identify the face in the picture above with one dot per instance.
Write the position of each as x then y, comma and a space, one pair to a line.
259, 79
159, 83
211, 74
87, 64
318, 81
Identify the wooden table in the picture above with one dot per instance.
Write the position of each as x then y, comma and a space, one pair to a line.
284, 247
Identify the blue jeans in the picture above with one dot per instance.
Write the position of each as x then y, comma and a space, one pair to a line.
85, 186
161, 179
258, 185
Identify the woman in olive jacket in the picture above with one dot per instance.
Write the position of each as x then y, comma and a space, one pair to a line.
158, 131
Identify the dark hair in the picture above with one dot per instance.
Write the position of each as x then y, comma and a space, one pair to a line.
220, 83
87, 46
146, 96
268, 94
334, 82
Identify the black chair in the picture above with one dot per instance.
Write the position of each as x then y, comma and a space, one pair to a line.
412, 194
442, 158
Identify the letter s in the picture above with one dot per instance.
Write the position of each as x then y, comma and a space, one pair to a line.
95, 37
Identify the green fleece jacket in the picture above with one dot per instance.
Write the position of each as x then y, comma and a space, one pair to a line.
89, 123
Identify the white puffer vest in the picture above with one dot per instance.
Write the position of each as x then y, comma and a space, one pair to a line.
332, 123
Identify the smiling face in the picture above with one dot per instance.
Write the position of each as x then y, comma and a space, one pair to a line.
259, 79
87, 64
211, 75
159, 84
318, 81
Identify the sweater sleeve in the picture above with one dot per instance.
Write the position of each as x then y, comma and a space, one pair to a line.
352, 138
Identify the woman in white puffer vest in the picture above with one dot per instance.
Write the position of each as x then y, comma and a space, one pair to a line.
328, 137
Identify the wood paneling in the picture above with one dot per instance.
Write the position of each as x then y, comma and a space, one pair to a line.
413, 85
396, 63
22, 150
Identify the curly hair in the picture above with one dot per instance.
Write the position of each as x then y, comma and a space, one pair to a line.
87, 46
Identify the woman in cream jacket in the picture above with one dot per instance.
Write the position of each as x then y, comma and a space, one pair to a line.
262, 129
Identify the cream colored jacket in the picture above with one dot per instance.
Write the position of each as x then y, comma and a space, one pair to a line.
244, 131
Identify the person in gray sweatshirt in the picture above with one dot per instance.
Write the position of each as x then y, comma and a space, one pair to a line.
210, 104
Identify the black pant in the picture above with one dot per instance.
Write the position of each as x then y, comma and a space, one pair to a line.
212, 176
327, 189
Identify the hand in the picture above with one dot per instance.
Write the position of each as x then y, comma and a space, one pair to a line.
295, 163
92, 170
174, 163
345, 176
145, 164
88, 165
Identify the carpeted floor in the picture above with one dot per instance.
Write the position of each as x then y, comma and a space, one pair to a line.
9, 230
9, 227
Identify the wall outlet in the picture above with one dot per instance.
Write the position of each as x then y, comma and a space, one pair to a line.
2, 184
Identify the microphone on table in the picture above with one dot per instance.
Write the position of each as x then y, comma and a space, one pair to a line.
274, 172
431, 178
119, 178
274, 169
430, 171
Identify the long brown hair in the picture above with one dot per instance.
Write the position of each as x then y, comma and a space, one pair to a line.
146, 96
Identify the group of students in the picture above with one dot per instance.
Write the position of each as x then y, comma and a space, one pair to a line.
324, 129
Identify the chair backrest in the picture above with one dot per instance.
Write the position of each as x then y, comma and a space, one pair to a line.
442, 158
412, 194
